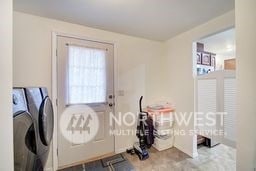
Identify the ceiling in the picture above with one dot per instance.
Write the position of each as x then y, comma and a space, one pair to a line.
151, 19
221, 43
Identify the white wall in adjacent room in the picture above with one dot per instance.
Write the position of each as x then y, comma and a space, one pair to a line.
6, 126
223, 45
246, 79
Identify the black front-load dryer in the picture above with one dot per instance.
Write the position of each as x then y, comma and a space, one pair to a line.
23, 133
40, 107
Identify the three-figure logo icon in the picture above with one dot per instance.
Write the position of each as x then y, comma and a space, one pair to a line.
79, 124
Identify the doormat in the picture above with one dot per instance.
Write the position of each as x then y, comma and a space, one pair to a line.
114, 163
112, 160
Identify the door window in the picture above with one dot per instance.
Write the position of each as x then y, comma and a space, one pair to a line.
86, 75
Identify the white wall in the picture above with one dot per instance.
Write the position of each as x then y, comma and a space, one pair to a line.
139, 61
246, 60
180, 70
6, 129
223, 45
220, 61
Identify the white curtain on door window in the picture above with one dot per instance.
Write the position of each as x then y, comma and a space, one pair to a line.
86, 75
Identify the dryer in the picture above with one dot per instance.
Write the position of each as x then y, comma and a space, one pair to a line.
40, 107
23, 133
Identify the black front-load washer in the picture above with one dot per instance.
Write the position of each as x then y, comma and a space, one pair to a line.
40, 107
23, 133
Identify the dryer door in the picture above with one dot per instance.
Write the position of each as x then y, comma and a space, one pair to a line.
24, 141
46, 121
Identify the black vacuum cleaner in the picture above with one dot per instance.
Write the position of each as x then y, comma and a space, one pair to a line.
145, 134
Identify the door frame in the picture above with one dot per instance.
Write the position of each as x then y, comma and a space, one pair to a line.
55, 34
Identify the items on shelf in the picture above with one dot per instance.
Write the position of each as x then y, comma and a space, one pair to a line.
163, 119
206, 61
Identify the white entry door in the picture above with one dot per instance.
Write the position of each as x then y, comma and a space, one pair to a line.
85, 78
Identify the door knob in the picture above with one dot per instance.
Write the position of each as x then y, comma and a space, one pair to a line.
110, 104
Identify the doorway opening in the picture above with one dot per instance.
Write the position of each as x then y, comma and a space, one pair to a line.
214, 70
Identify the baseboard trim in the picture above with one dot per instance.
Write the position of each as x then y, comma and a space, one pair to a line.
192, 155
121, 150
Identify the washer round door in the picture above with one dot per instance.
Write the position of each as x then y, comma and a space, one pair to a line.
45, 121
24, 141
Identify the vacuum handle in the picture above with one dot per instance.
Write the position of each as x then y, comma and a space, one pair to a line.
141, 97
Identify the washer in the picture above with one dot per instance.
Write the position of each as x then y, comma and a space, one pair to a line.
40, 107
23, 133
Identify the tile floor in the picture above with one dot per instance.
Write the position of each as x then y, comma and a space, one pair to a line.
218, 158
